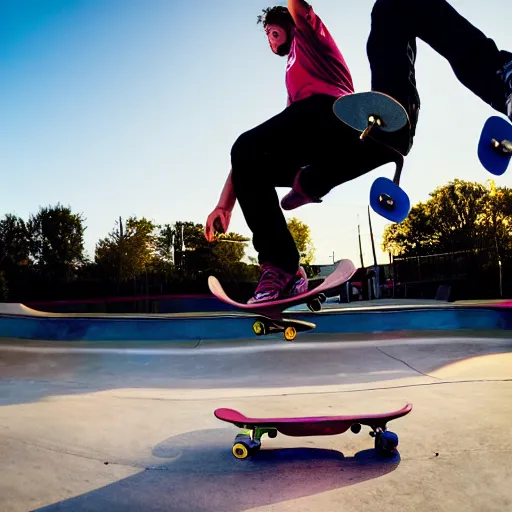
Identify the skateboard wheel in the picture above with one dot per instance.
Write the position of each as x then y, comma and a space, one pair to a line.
315, 305
502, 148
290, 333
241, 450
386, 442
355, 428
495, 145
259, 328
389, 200
322, 297
272, 434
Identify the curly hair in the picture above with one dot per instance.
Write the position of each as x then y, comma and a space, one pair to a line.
277, 15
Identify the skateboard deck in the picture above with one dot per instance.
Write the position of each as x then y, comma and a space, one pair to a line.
369, 113
271, 312
248, 441
495, 145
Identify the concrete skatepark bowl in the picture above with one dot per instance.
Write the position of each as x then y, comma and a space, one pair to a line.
107, 414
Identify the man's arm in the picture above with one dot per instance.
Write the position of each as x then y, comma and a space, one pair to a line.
298, 9
228, 197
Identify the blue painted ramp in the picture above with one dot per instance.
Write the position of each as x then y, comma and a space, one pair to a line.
17, 321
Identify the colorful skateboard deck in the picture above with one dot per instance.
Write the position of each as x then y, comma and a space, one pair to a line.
495, 145
248, 441
369, 113
270, 313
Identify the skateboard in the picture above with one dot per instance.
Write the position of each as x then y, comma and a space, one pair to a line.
270, 314
248, 440
369, 113
495, 145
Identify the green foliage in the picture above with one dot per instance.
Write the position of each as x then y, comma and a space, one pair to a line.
301, 234
127, 251
44, 257
56, 241
458, 216
14, 242
4, 289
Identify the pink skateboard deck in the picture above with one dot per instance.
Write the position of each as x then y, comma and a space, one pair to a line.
271, 311
248, 441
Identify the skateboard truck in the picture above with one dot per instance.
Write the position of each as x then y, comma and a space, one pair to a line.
503, 148
373, 121
367, 112
248, 441
264, 326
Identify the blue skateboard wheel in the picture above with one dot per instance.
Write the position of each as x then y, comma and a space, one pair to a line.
389, 200
493, 159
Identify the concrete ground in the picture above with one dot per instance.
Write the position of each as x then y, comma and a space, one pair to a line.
120, 427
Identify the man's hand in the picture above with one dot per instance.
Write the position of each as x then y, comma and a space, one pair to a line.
218, 221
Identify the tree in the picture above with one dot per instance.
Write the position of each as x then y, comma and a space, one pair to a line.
4, 289
458, 216
222, 257
14, 242
301, 234
56, 241
495, 218
165, 243
127, 251
14, 255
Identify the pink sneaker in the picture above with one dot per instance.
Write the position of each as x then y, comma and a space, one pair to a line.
301, 282
297, 196
276, 284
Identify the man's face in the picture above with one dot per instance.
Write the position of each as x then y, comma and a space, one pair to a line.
278, 39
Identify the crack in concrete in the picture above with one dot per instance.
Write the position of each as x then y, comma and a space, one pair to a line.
407, 364
340, 391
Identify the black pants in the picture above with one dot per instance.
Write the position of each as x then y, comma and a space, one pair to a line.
270, 155
391, 48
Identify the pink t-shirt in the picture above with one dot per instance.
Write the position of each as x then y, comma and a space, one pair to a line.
315, 64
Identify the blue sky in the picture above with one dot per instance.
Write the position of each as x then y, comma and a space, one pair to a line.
130, 107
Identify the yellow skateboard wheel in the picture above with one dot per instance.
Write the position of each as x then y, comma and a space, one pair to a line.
290, 333
240, 451
259, 328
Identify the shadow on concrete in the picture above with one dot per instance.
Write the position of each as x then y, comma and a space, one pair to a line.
201, 475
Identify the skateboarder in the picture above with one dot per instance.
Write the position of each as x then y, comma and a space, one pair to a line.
474, 58
308, 148
304, 147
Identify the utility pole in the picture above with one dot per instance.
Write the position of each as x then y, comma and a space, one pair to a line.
371, 237
360, 246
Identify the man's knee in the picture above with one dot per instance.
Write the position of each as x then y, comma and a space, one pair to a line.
243, 150
386, 10
242, 156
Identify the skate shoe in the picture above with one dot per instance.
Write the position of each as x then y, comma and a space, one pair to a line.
276, 284
505, 73
301, 282
297, 196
